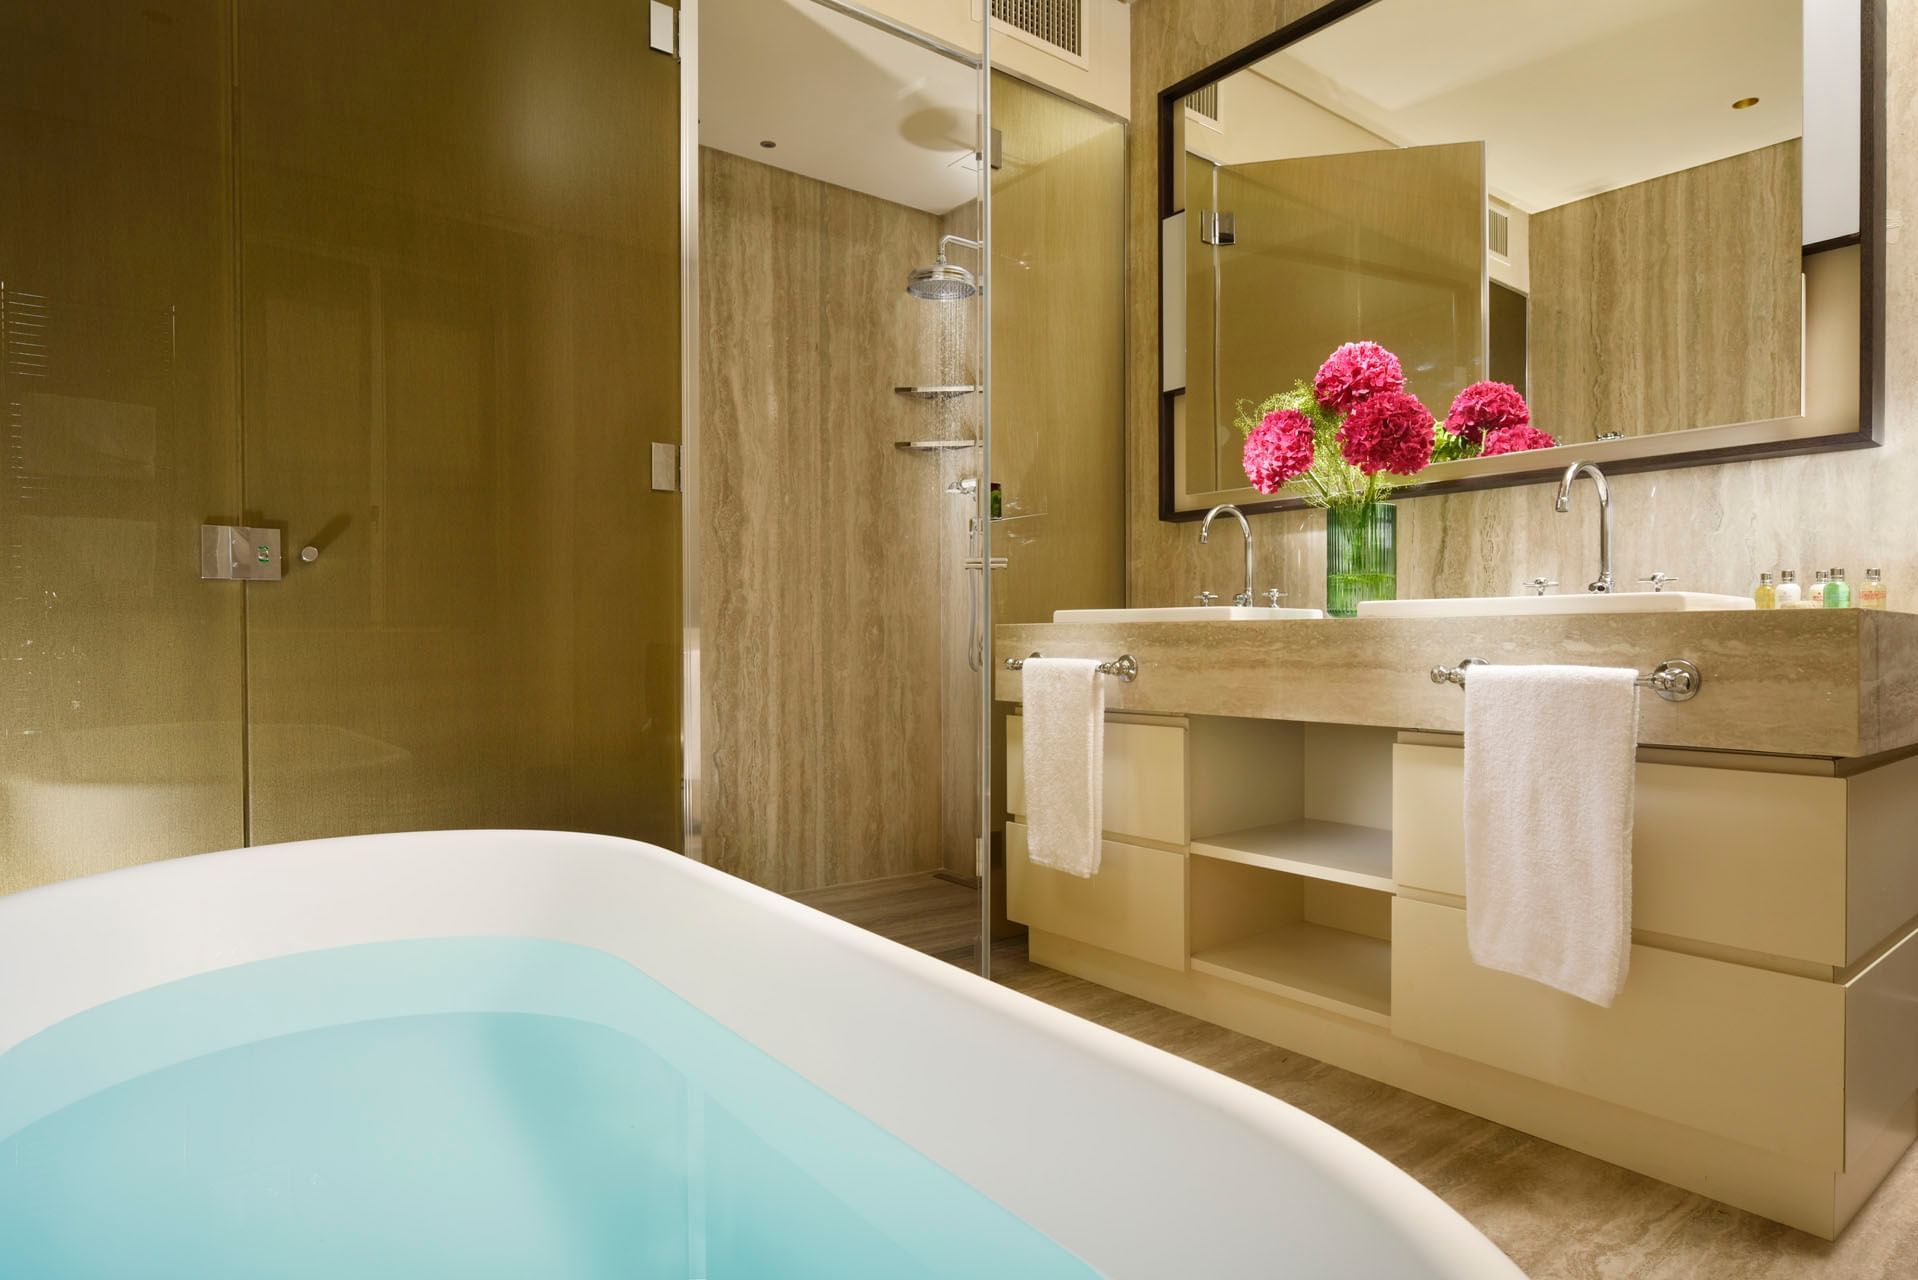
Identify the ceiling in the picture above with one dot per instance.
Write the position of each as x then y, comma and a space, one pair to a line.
844, 102
1571, 99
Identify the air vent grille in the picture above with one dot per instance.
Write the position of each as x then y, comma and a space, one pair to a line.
1204, 102
1498, 233
1057, 24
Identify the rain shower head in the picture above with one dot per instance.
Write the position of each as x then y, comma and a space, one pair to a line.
943, 281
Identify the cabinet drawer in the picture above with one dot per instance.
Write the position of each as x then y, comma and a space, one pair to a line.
1145, 796
1746, 1053
1134, 906
1742, 859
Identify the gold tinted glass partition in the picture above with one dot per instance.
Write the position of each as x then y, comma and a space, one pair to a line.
1387, 243
460, 266
121, 738
1058, 368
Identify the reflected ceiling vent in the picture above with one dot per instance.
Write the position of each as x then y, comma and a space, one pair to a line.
1204, 103
1057, 26
1498, 233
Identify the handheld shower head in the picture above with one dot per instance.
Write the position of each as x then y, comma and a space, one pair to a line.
943, 281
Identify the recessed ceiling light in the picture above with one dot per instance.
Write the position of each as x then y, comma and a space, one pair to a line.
1742, 103
769, 144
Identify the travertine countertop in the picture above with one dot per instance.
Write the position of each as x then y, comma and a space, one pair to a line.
1836, 683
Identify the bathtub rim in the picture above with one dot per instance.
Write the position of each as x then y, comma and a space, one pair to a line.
90, 940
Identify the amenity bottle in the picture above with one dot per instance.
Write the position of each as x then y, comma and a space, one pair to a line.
1815, 593
1765, 595
1872, 594
1789, 594
1837, 591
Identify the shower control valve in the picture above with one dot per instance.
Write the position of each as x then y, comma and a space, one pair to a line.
1206, 599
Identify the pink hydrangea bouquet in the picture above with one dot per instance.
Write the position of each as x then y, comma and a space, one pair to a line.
1354, 431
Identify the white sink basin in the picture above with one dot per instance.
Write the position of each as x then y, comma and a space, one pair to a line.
1584, 602
1185, 613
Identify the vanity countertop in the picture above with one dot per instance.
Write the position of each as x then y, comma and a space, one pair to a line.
1811, 682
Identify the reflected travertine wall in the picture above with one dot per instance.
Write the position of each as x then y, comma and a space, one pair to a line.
1671, 303
1713, 526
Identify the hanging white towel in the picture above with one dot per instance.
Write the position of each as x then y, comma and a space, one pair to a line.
1550, 756
1065, 710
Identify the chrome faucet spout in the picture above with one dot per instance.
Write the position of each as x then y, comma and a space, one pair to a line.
1563, 504
1244, 598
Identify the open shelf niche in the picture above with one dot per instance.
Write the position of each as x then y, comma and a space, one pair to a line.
1291, 885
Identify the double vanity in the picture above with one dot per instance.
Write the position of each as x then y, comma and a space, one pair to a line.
1284, 856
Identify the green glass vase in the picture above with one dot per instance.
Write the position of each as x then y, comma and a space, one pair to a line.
1361, 556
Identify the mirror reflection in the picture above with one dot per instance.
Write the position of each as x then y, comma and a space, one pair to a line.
1621, 212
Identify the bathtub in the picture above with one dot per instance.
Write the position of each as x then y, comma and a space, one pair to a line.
1116, 1158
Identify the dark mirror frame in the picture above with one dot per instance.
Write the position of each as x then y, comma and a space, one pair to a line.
1869, 239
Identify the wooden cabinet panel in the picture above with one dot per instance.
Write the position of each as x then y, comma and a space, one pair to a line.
1145, 787
1741, 859
1746, 1053
1135, 905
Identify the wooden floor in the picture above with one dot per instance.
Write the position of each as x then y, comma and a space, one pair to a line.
1557, 1213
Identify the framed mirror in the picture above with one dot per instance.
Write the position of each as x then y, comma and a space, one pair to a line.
1659, 221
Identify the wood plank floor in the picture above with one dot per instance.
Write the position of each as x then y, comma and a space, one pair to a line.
1560, 1215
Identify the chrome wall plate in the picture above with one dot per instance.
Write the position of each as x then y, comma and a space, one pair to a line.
236, 553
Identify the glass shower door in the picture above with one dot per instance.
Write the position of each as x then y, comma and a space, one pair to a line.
459, 277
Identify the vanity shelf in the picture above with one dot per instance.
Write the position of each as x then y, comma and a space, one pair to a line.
1333, 969
1335, 851
937, 393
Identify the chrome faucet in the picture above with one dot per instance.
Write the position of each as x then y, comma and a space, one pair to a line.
1603, 582
1244, 598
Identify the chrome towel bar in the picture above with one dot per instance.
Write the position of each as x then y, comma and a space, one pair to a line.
1122, 666
1674, 681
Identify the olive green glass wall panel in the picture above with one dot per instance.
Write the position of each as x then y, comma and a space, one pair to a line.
120, 693
459, 263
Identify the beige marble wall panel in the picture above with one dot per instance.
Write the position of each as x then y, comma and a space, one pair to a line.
1713, 526
1670, 303
820, 547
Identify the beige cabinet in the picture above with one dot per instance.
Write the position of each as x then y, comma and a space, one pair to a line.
1734, 1050
1135, 906
1145, 782
1817, 868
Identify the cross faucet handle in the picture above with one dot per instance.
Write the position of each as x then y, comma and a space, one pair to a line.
1272, 597
1537, 586
1206, 599
1658, 580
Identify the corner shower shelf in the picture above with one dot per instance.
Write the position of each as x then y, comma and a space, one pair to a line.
933, 446
939, 393
1335, 851
1332, 969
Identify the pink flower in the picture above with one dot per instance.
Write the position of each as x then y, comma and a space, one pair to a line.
1390, 432
1515, 440
1355, 373
1486, 406
1278, 449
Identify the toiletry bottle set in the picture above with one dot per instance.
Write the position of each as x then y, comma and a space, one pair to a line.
1829, 590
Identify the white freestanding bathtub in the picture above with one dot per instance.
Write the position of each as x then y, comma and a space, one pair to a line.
1137, 1162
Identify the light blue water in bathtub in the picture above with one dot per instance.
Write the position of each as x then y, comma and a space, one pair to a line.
458, 1108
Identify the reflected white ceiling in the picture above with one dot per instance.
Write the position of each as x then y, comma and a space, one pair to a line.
1572, 97
845, 102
